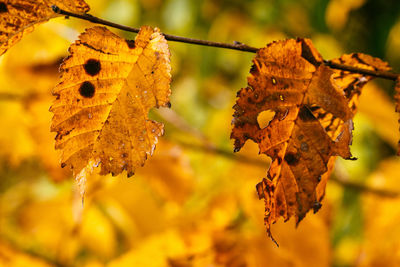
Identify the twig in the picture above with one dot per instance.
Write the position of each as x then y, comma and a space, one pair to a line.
364, 188
245, 159
376, 73
223, 153
235, 46
88, 17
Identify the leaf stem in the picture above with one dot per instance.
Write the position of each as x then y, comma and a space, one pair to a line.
235, 46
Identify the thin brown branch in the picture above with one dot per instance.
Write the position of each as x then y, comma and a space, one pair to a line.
169, 37
223, 153
376, 73
235, 46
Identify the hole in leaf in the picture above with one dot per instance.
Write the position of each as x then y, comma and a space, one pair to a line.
264, 118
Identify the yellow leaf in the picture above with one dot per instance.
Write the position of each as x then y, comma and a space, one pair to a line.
107, 88
381, 246
97, 233
12, 258
154, 251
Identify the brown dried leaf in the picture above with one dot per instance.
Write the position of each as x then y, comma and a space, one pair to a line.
289, 78
351, 84
18, 17
313, 107
107, 88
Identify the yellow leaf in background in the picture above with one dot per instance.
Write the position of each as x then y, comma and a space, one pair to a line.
107, 88
40, 119
154, 251
47, 224
169, 173
381, 246
17, 146
27, 113
18, 17
97, 233
383, 118
337, 12
10, 257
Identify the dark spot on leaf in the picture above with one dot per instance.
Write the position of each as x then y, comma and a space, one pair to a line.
316, 206
92, 67
305, 114
168, 104
254, 69
281, 212
3, 8
131, 43
63, 165
250, 101
291, 159
87, 89
304, 147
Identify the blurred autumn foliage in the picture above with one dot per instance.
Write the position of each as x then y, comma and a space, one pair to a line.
194, 205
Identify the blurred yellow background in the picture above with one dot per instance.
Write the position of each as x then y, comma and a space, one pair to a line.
192, 205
